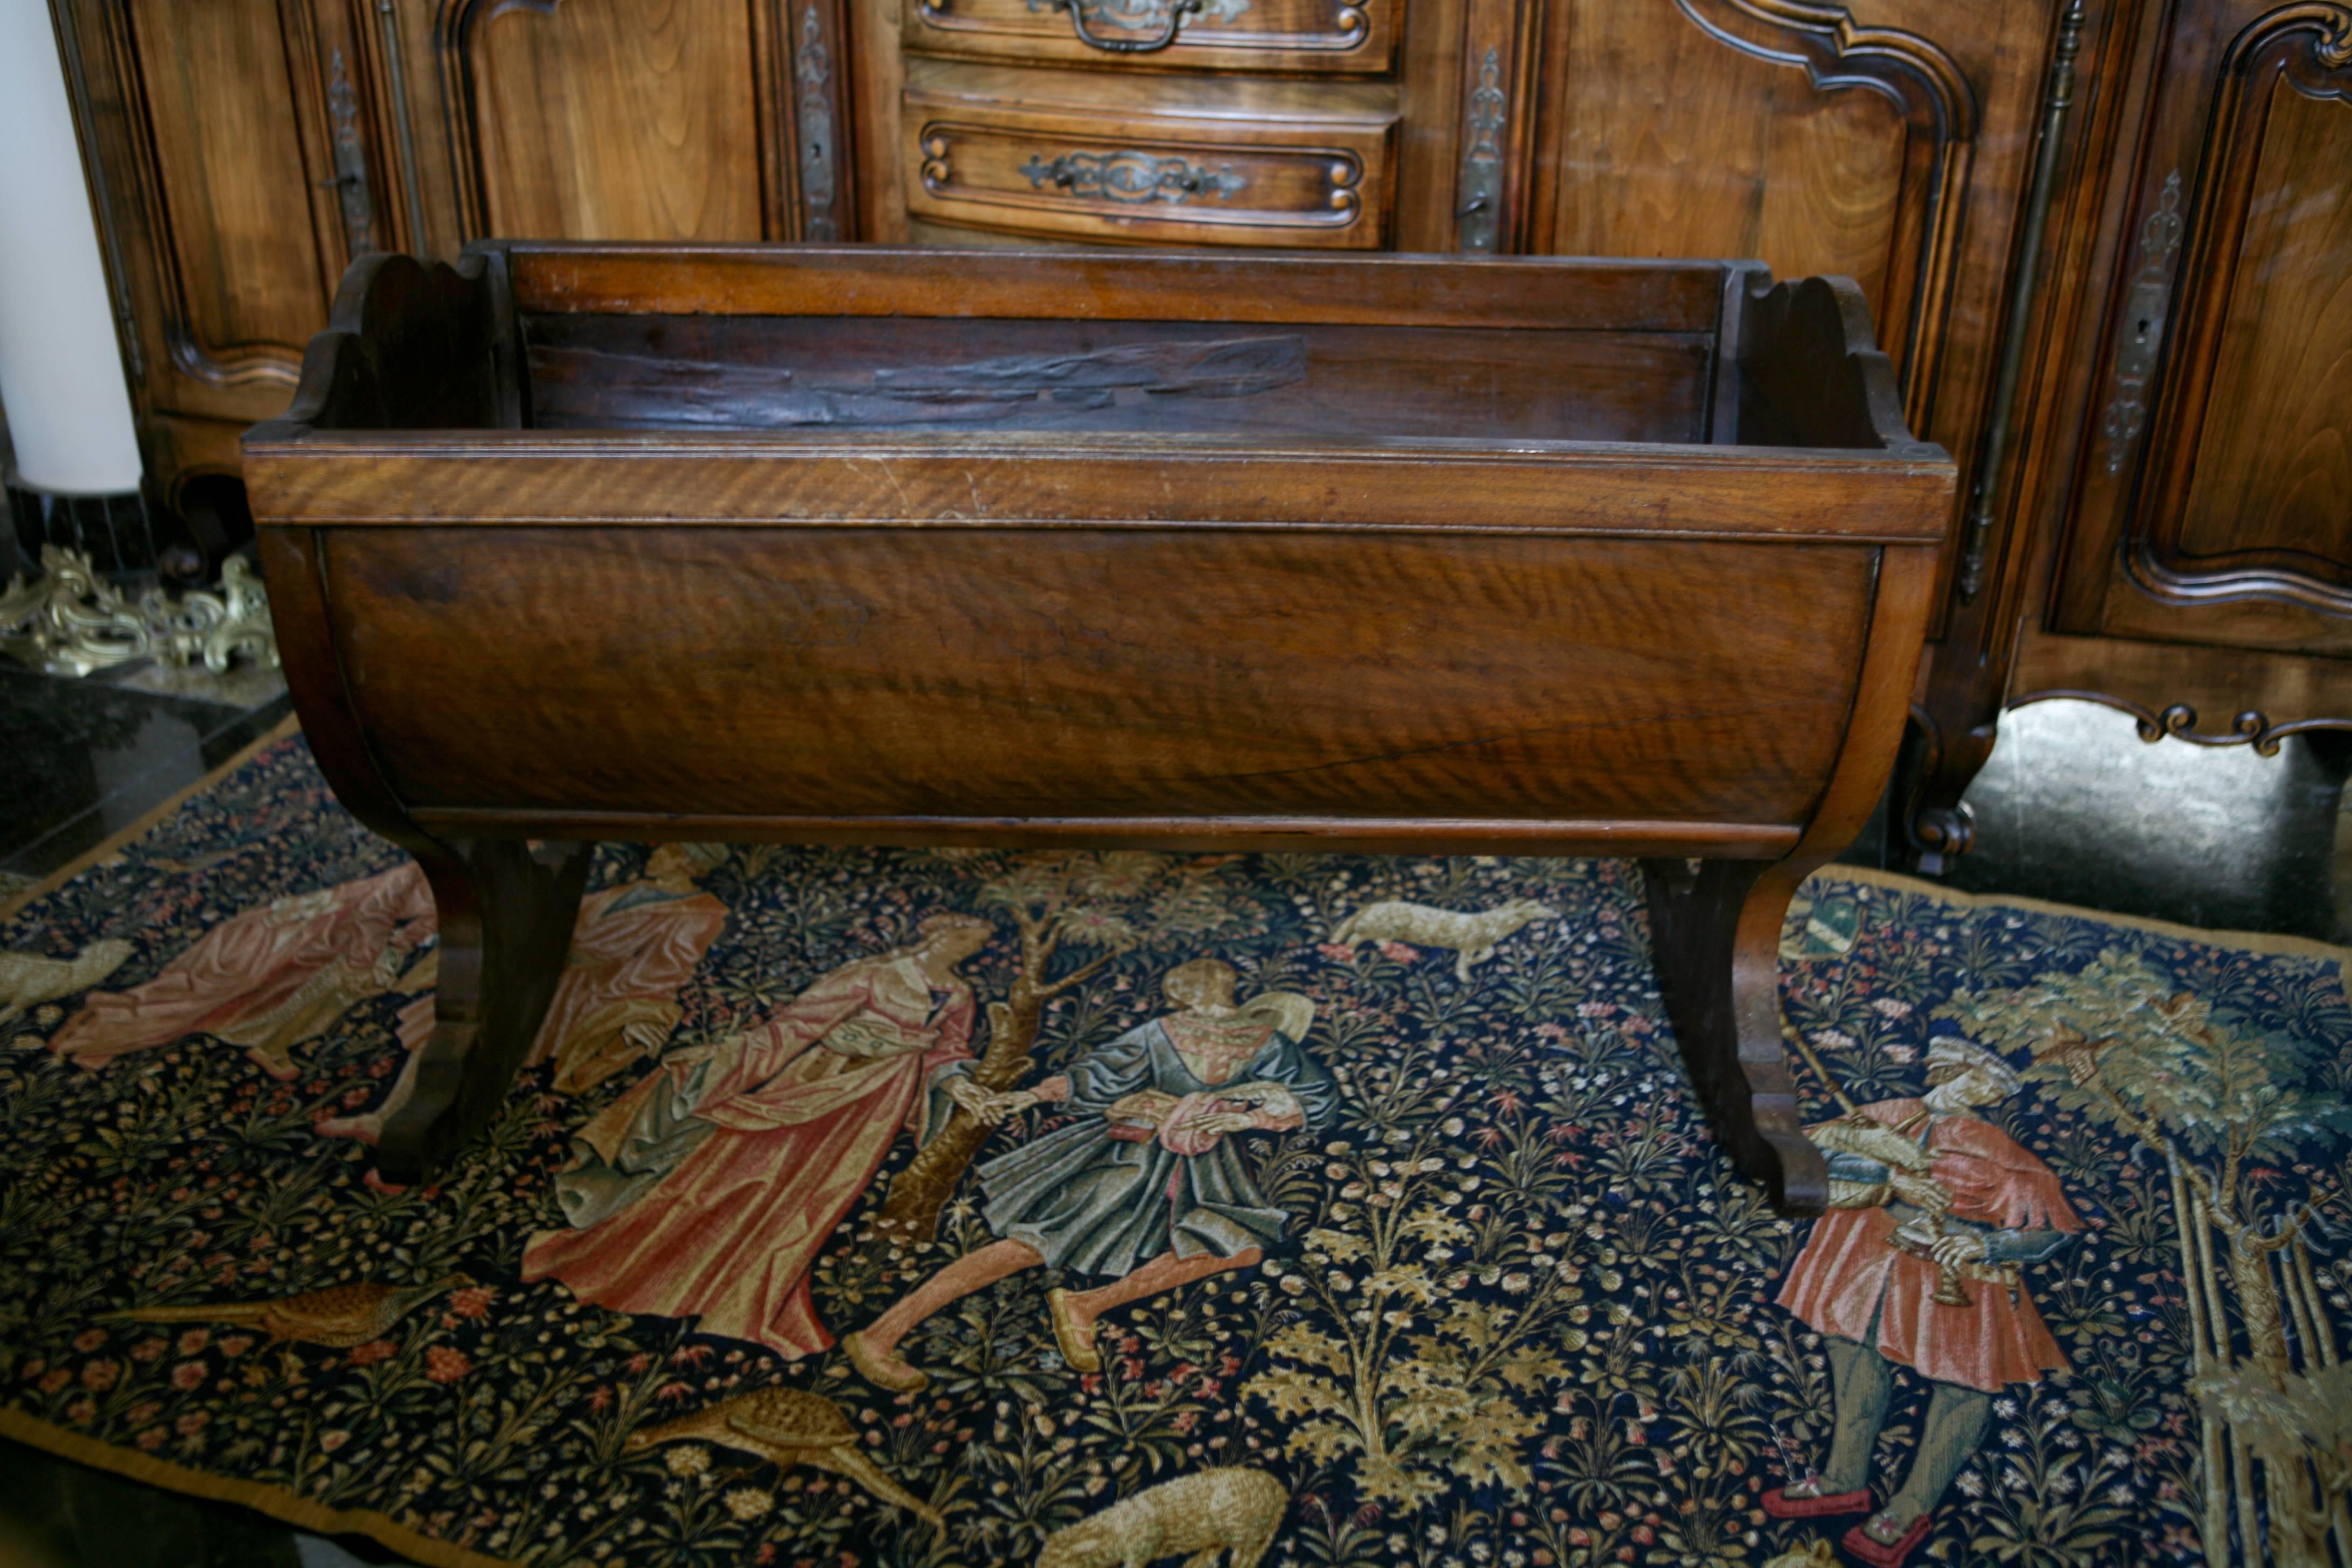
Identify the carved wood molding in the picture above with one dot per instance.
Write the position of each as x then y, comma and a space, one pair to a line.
1228, 190
2024, 286
95, 162
2250, 728
1836, 52
2306, 48
1940, 106
453, 33
403, 130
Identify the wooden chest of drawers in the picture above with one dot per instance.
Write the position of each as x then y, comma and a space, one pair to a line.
1248, 122
1178, 175
1357, 38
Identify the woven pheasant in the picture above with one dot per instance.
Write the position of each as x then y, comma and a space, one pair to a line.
339, 1316
785, 1427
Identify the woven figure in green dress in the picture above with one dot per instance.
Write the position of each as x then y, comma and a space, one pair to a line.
1149, 1184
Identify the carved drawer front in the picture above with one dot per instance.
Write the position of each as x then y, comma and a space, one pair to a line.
1345, 37
1150, 178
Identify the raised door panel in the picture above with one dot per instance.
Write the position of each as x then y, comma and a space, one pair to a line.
246, 266
2273, 484
1769, 129
619, 118
2215, 497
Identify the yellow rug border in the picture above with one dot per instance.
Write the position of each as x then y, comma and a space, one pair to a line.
115, 843
2248, 940
289, 1508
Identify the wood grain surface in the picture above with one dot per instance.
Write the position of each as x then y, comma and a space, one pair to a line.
1012, 674
1163, 378
614, 122
1174, 286
244, 265
2213, 480
686, 547
1217, 482
2273, 483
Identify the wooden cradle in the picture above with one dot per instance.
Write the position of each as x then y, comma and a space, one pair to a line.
1187, 552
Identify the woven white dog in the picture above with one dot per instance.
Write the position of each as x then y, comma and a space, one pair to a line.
1471, 936
1234, 1509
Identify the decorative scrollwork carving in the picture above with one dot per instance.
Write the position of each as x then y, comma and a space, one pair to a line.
1131, 177
2331, 48
72, 621
935, 173
2168, 376
1836, 51
2250, 727
1940, 106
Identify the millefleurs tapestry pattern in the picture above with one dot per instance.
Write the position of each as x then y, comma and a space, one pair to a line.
929, 1207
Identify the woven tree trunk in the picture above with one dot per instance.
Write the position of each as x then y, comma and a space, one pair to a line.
911, 1212
1112, 904
917, 1194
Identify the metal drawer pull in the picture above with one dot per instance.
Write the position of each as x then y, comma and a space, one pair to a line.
1115, 13
1127, 176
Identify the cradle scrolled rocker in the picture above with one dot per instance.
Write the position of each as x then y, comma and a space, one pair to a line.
1190, 552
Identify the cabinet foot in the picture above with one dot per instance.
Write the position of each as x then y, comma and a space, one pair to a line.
1714, 931
505, 918
1935, 773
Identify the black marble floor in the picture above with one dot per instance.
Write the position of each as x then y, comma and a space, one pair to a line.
85, 759
54, 1514
2076, 808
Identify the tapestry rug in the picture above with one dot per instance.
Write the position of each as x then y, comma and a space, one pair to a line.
937, 1208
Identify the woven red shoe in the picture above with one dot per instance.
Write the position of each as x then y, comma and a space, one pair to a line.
1781, 1505
1878, 1553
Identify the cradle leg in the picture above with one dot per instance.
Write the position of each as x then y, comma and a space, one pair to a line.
505, 918
1715, 929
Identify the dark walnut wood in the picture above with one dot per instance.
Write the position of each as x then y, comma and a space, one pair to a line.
2105, 246
1189, 551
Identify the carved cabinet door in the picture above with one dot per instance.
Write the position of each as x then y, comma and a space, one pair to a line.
237, 151
2213, 498
691, 120
1888, 140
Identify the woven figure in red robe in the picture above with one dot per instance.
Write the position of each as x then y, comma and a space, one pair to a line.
1934, 1214
708, 1190
281, 976
636, 944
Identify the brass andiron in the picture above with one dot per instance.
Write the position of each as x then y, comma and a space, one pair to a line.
72, 621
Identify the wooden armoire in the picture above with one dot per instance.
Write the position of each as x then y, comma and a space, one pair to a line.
2108, 242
